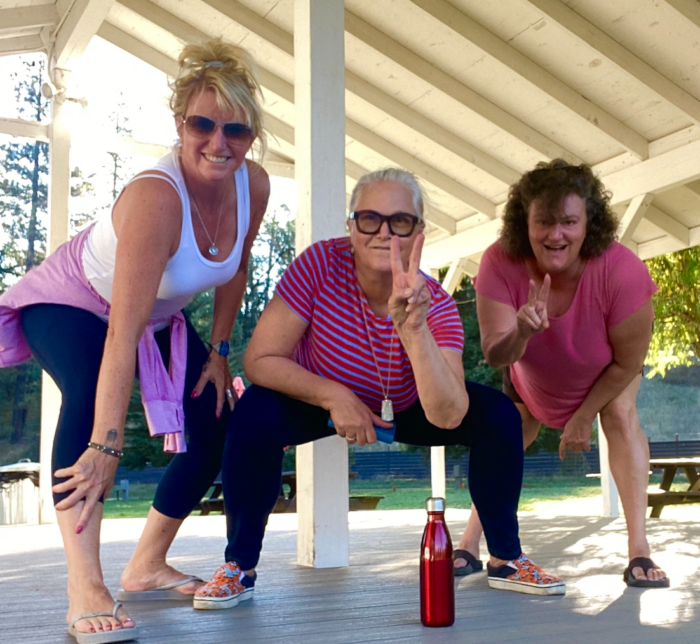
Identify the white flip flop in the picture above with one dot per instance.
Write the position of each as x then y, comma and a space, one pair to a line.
162, 593
103, 637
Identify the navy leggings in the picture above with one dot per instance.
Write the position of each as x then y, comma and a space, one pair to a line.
68, 343
264, 422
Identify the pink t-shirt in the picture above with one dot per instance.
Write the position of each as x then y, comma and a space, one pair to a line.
560, 365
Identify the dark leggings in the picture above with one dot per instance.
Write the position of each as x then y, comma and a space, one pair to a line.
264, 422
68, 344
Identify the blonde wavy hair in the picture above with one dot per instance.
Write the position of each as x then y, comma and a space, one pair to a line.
227, 70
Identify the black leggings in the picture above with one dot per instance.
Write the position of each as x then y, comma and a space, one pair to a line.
68, 344
264, 422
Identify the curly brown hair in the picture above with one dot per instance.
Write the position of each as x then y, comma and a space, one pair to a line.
552, 182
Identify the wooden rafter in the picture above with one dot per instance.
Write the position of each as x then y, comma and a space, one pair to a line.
671, 226
19, 18
597, 39
79, 26
688, 8
540, 78
421, 68
366, 91
633, 215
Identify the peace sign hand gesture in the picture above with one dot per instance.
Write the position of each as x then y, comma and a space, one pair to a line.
410, 298
532, 317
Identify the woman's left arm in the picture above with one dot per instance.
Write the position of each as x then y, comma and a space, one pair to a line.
228, 297
630, 342
438, 372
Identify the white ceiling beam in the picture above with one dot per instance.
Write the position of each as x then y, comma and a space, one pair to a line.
20, 45
633, 215
454, 276
688, 8
656, 247
354, 130
427, 172
430, 130
540, 78
284, 41
660, 173
27, 129
354, 171
138, 48
594, 37
409, 60
79, 26
668, 224
463, 244
694, 187
165, 20
27, 18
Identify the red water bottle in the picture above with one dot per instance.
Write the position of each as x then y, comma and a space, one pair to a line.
437, 574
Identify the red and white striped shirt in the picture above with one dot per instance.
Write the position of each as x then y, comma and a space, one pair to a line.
321, 287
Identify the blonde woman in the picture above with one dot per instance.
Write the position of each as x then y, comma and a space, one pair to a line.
115, 292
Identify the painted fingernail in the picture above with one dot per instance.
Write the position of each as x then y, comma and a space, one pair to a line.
79, 529
194, 394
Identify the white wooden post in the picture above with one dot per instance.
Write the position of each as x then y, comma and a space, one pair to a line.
611, 506
437, 454
319, 94
59, 230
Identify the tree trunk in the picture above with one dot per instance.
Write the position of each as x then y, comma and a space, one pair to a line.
19, 411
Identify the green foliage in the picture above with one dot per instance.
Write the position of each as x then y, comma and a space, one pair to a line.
676, 338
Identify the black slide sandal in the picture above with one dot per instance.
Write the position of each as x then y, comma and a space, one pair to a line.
473, 564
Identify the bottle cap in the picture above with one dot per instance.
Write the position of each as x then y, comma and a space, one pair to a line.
435, 504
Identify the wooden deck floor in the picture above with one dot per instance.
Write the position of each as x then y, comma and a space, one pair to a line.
376, 598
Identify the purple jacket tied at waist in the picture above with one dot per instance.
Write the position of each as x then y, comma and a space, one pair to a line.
60, 279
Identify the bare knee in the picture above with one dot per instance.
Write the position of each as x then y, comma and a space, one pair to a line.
620, 419
531, 426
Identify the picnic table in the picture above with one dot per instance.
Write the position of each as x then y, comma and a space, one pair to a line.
662, 496
286, 502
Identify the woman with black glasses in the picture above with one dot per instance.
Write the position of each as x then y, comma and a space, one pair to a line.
116, 291
358, 342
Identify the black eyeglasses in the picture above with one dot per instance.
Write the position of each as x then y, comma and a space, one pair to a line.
369, 222
203, 127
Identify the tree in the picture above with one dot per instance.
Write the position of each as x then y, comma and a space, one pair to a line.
676, 337
24, 189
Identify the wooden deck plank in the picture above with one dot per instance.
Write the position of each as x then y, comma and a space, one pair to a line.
376, 598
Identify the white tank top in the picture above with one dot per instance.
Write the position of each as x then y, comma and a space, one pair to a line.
187, 272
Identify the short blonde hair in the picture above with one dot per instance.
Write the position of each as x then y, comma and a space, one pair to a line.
227, 70
399, 175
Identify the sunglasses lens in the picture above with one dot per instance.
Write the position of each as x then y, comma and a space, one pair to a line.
200, 125
237, 132
402, 225
368, 222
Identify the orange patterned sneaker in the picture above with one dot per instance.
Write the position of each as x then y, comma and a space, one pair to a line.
524, 576
229, 586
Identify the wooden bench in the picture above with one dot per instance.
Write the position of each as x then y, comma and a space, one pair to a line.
286, 501
662, 496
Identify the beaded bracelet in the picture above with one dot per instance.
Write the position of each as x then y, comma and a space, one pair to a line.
110, 451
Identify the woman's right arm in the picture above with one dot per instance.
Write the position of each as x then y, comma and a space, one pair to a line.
268, 362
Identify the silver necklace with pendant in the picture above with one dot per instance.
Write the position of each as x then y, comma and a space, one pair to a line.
387, 406
213, 249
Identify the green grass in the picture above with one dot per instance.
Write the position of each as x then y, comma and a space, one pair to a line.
404, 494
399, 494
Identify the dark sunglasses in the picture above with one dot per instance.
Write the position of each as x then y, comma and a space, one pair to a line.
202, 127
369, 222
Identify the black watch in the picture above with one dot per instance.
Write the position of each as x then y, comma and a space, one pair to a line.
222, 348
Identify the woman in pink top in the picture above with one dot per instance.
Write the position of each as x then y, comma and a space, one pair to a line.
567, 311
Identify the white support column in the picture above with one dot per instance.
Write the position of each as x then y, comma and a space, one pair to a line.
319, 94
611, 506
437, 454
58, 233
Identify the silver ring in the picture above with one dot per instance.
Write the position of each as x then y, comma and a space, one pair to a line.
229, 393
350, 439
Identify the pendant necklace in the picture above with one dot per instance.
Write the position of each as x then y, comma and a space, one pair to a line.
213, 249
387, 407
